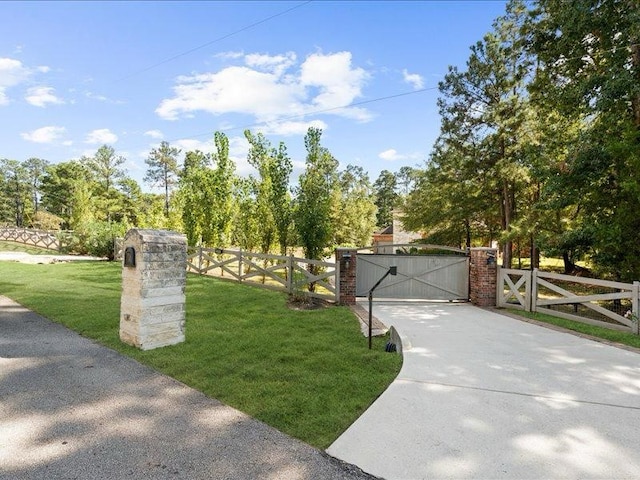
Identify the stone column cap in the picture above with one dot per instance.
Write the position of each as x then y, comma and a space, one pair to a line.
157, 236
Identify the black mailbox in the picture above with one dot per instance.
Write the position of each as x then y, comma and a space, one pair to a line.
129, 257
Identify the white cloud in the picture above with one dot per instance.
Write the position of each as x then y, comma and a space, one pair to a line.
277, 64
41, 96
67, 143
229, 55
101, 136
269, 87
13, 72
234, 89
157, 134
413, 79
290, 128
102, 98
338, 82
391, 155
44, 135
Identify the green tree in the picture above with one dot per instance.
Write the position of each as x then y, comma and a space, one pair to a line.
260, 159
273, 201
162, 170
386, 198
58, 187
246, 222
206, 195
36, 169
485, 116
314, 198
16, 188
354, 214
589, 53
106, 169
280, 168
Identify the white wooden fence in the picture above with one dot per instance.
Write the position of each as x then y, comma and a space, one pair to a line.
38, 238
605, 303
290, 274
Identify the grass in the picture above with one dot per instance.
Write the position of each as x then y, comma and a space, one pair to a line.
307, 373
615, 336
6, 246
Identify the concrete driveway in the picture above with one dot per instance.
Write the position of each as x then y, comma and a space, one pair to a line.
482, 395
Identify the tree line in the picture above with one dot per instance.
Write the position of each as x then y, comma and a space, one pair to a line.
204, 197
539, 146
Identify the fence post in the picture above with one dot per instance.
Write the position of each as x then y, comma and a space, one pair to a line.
200, 259
635, 307
533, 300
499, 287
240, 265
290, 274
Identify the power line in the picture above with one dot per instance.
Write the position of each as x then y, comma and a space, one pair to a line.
187, 52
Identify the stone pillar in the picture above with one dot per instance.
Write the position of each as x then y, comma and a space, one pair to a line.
346, 259
154, 273
483, 276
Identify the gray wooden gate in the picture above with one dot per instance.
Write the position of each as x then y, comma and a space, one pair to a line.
428, 277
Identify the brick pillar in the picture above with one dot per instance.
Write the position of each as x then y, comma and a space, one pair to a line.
346, 259
483, 276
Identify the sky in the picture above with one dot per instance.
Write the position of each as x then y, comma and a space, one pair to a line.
77, 75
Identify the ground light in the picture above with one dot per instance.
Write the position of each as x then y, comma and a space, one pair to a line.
392, 271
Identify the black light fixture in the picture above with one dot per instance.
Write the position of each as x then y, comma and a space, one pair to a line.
393, 270
346, 258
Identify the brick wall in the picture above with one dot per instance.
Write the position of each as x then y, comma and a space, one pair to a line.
483, 274
346, 259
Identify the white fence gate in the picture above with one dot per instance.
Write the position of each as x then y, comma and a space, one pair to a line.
428, 277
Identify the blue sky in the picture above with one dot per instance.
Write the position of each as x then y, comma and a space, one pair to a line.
76, 75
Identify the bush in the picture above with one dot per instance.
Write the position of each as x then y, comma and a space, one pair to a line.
96, 238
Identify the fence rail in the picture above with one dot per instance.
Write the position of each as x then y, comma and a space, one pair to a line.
50, 240
290, 274
604, 303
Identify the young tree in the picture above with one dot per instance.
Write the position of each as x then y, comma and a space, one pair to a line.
280, 169
162, 170
273, 201
205, 193
246, 222
314, 198
260, 159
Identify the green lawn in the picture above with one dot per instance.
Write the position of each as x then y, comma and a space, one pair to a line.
307, 373
616, 336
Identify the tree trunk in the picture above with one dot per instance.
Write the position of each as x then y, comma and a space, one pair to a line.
635, 100
569, 266
507, 252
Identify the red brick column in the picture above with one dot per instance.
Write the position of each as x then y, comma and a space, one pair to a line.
483, 276
346, 263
